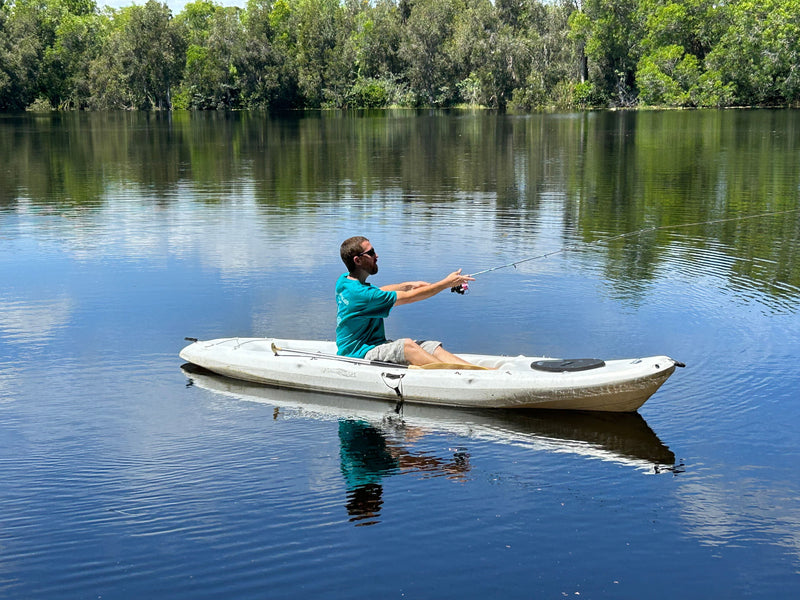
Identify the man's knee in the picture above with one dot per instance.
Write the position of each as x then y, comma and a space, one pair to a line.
410, 348
414, 353
408, 343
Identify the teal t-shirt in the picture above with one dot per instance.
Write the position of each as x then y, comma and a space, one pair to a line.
361, 310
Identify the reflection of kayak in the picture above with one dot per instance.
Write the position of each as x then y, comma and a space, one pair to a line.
512, 382
621, 438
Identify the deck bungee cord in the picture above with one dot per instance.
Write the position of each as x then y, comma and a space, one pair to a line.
464, 288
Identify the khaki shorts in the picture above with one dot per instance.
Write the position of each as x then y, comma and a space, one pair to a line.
393, 351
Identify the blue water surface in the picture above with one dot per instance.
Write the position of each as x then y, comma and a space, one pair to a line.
123, 475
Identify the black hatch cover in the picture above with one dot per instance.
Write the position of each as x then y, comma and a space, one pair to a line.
567, 364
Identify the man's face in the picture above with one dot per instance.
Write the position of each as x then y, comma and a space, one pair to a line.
368, 259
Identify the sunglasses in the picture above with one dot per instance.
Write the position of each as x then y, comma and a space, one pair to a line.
371, 252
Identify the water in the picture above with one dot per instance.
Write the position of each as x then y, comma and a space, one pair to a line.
124, 476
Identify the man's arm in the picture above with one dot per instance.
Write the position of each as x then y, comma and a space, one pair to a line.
427, 290
404, 287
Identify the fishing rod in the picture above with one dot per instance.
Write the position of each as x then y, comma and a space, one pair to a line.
464, 287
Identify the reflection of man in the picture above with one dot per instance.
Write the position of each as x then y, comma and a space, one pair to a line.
365, 460
367, 457
362, 308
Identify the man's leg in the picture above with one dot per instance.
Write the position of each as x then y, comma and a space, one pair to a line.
415, 355
443, 355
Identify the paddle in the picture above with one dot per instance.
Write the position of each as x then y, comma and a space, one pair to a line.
376, 363
454, 366
348, 359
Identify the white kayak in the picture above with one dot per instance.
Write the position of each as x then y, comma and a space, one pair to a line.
504, 382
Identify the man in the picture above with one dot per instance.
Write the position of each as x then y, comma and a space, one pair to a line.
362, 308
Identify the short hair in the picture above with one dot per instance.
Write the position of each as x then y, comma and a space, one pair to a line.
351, 248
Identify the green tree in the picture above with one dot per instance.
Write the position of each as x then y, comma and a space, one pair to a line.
489, 52
27, 30
324, 72
611, 31
579, 29
759, 52
426, 49
195, 18
211, 74
376, 35
78, 41
695, 25
45, 49
666, 76
677, 36
142, 60
374, 44
555, 66
267, 72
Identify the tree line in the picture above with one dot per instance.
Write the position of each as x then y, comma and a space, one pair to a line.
288, 54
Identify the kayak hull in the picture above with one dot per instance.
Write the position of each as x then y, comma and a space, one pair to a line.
616, 386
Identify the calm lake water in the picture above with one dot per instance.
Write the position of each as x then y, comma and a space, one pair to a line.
123, 475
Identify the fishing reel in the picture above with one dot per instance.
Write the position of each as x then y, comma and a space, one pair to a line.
460, 289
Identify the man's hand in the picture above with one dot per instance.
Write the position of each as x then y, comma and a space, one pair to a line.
457, 278
461, 287
426, 290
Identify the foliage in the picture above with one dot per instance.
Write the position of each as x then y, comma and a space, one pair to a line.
210, 76
27, 29
759, 53
279, 54
611, 30
428, 52
78, 42
267, 70
677, 38
666, 75
142, 59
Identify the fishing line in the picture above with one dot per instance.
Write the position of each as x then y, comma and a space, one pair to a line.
463, 288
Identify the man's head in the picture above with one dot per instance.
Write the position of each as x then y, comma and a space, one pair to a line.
357, 252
